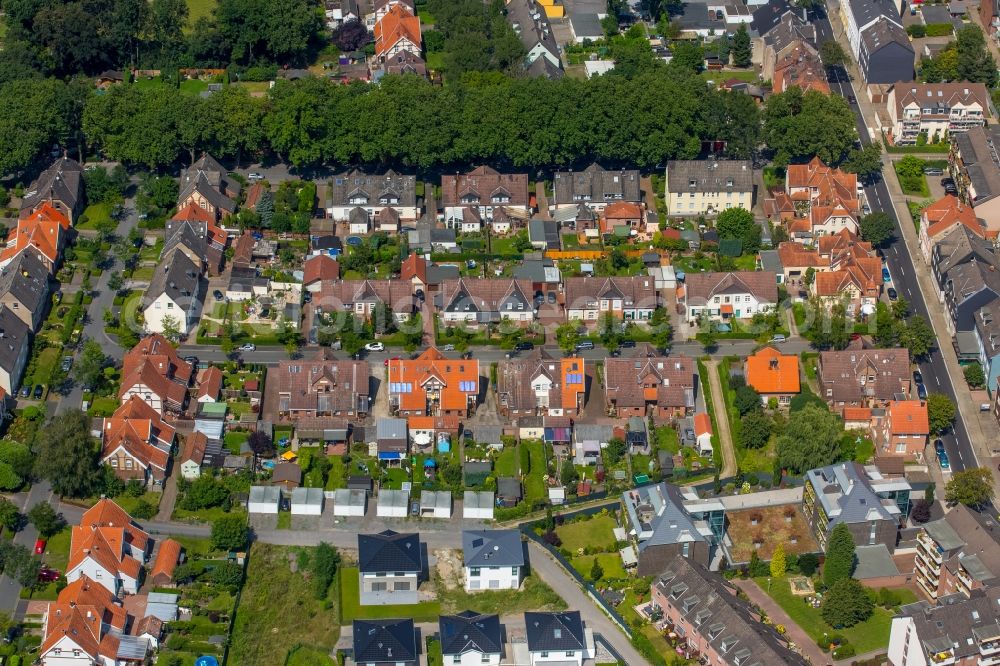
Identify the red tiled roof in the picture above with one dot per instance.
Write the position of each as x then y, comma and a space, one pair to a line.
945, 213
702, 424
194, 448
155, 363
210, 383
321, 267
138, 429
397, 24
459, 380
166, 559
192, 212
908, 417
771, 372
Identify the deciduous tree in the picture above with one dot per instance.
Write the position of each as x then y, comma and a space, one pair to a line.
971, 487
940, 412
810, 439
66, 455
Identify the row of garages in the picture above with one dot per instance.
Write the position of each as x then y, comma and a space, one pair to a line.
353, 502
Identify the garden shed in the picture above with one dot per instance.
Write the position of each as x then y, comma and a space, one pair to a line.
478, 505
392, 503
211, 419
349, 502
264, 499
307, 502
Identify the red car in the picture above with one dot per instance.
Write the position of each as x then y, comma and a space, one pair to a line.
47, 575
386, 361
40, 546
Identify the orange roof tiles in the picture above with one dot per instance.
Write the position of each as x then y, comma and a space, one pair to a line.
702, 424
41, 230
455, 380
322, 267
908, 417
414, 266
857, 414
194, 448
771, 372
192, 212
210, 383
397, 24
945, 213
106, 513
798, 255
166, 560
138, 429
623, 210
155, 363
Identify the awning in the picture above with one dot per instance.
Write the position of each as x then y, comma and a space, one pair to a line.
390, 455
727, 309
289, 455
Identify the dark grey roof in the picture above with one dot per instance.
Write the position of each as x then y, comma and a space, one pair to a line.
555, 631
956, 622
874, 562
14, 334
711, 606
376, 189
384, 641
443, 236
487, 434
596, 184
698, 16
960, 245
846, 494
207, 184
60, 182
768, 15
770, 261
492, 548
531, 24
543, 67
544, 231
509, 487
328, 242
470, 632
978, 149
710, 175
192, 235
535, 270
436, 273
866, 11
790, 28
883, 33
178, 277
26, 279
586, 24
967, 280
935, 14
988, 329
658, 517
389, 551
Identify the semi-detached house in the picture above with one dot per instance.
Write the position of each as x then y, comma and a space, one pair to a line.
594, 187
863, 377
726, 296
658, 387
705, 187
373, 193
539, 385
628, 298
485, 188
485, 301
936, 110
321, 387
136, 443
433, 385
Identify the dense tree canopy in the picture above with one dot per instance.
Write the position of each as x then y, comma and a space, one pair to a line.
799, 126
810, 439
839, 563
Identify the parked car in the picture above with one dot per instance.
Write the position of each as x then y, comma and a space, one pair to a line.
218, 295
47, 575
524, 346
918, 378
627, 344
891, 293
249, 346
25, 391
886, 277
921, 391
585, 344
67, 363
448, 348
39, 390
938, 446
253, 175
376, 346
40, 546
193, 360
943, 460
552, 297
933, 171
779, 338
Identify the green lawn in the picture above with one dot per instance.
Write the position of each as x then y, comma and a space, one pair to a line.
434, 657
534, 482
611, 563
57, 549
103, 406
278, 611
351, 608
232, 440
337, 478
912, 186
724, 75
506, 462
595, 532
44, 366
533, 595
872, 634
129, 503
308, 656
202, 515
95, 212
198, 9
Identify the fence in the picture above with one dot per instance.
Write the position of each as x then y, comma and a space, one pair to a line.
528, 530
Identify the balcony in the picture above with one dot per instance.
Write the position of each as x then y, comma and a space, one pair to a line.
942, 658
990, 648
930, 547
989, 661
932, 593
932, 567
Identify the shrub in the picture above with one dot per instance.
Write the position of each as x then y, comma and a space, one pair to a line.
843, 652
808, 563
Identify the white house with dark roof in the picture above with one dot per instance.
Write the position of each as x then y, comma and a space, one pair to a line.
492, 560
372, 193
385, 642
390, 566
558, 639
471, 639
173, 296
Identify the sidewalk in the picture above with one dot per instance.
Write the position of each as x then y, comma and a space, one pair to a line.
807, 646
721, 421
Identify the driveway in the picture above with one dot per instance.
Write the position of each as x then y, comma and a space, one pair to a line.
721, 421
795, 633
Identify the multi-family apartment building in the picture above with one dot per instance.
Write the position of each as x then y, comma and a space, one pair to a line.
936, 110
957, 554
705, 187
958, 630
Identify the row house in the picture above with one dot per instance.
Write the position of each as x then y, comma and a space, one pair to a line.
109, 548
864, 377
708, 187
987, 337
433, 385
41, 234
154, 372
539, 385
796, 260
484, 188
196, 232
594, 187
964, 267
722, 297
801, 67
321, 387
319, 269
173, 299
623, 219
784, 34
974, 163
658, 387
936, 110
466, 219
366, 299
902, 430
713, 624
59, 187
830, 199
24, 289
425, 276
878, 41
626, 298
373, 193
957, 554
136, 443
15, 349
943, 216
531, 25
397, 31
957, 630
871, 505
485, 301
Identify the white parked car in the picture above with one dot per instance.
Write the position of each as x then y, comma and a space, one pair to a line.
248, 347
253, 175
374, 346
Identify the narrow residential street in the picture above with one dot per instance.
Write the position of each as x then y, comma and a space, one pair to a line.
10, 589
721, 421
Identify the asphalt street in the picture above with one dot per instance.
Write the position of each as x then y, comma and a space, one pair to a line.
903, 271
10, 589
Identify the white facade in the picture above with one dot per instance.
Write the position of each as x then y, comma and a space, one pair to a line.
705, 444
343, 213
115, 583
190, 469
492, 578
145, 394
66, 652
745, 306
473, 658
264, 499
905, 648
307, 502
360, 227
164, 307
349, 502
392, 504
